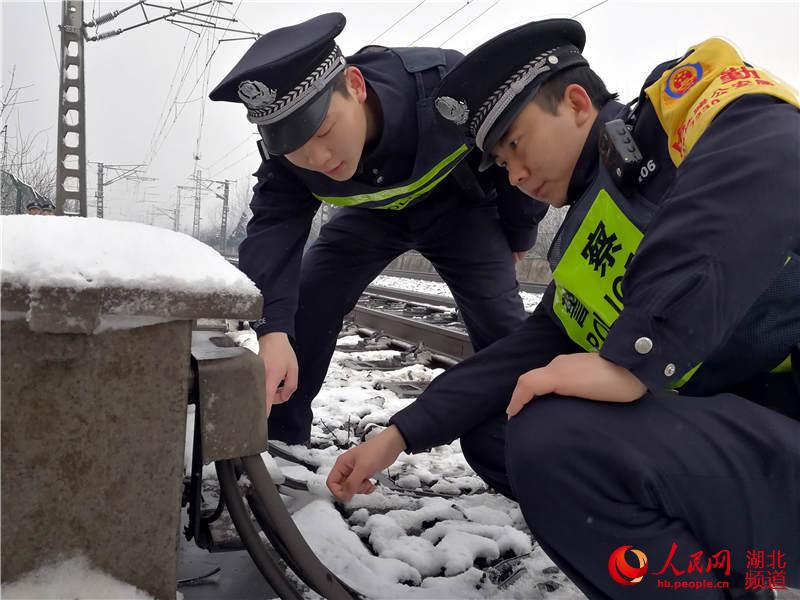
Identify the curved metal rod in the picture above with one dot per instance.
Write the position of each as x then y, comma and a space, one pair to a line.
277, 523
272, 572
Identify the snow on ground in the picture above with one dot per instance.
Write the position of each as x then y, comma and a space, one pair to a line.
393, 543
74, 579
437, 288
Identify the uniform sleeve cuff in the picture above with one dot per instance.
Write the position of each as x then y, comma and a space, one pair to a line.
264, 326
414, 436
656, 354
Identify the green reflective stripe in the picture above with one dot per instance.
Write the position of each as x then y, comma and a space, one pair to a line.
686, 377
398, 204
389, 193
338, 201
588, 278
784, 367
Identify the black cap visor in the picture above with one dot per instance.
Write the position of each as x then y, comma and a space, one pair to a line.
290, 133
503, 123
570, 58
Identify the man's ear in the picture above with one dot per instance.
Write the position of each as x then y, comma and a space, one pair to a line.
356, 84
578, 102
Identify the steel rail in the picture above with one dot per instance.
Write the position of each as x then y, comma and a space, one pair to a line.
453, 344
410, 296
526, 286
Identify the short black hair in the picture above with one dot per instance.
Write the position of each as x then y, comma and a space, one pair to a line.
552, 92
340, 84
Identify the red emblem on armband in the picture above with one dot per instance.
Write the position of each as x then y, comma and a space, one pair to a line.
682, 79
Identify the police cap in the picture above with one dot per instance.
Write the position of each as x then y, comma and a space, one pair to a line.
486, 91
286, 80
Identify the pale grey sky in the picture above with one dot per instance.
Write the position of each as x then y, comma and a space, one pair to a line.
135, 114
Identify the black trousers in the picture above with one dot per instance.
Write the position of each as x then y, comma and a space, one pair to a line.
463, 240
707, 474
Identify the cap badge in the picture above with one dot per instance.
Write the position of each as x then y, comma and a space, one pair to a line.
453, 110
256, 94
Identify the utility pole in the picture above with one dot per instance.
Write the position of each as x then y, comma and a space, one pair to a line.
223, 233
71, 151
170, 214
98, 194
150, 216
179, 205
196, 221
71, 154
225, 197
128, 172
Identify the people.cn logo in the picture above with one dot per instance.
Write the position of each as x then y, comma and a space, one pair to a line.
621, 571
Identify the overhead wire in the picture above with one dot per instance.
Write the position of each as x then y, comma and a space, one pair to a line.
233, 15
167, 124
232, 163
393, 25
491, 6
227, 153
447, 18
197, 81
52, 41
207, 72
583, 12
163, 119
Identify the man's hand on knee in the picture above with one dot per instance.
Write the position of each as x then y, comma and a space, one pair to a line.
583, 375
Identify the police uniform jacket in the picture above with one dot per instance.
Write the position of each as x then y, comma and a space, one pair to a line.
715, 280
283, 205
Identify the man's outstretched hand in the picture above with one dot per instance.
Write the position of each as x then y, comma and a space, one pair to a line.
280, 365
353, 469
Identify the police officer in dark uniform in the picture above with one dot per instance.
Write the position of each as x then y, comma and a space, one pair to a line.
362, 133
653, 441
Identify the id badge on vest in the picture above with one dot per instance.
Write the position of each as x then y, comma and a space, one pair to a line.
590, 255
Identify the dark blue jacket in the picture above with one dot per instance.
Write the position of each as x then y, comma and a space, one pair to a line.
283, 205
710, 280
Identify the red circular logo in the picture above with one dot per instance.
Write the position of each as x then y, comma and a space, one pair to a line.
683, 78
621, 571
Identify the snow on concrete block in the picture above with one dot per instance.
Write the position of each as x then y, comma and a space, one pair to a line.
75, 275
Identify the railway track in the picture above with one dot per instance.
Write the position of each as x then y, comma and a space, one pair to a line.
525, 286
230, 512
414, 318
416, 322
411, 296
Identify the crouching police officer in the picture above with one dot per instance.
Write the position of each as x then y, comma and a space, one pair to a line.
652, 444
362, 133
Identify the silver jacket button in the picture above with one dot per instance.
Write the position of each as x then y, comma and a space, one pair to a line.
669, 370
643, 345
